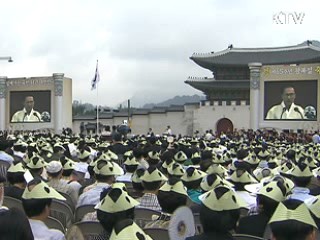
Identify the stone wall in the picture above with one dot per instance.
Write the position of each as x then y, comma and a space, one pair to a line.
201, 117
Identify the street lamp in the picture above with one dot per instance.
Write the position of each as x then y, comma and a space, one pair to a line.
9, 59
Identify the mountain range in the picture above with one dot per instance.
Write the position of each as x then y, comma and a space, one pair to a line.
177, 100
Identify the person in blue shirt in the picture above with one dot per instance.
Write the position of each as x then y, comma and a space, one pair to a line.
192, 179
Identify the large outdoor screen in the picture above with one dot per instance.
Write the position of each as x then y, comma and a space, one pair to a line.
290, 100
30, 106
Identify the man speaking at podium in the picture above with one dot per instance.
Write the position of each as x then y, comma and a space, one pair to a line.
27, 114
286, 109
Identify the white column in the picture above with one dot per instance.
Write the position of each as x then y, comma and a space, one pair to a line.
3, 94
58, 103
254, 94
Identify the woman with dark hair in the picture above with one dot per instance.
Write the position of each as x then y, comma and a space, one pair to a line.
219, 214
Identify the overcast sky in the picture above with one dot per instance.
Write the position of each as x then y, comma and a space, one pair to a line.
143, 46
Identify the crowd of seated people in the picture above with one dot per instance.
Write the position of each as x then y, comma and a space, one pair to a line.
259, 183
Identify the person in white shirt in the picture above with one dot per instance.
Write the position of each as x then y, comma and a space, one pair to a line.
36, 201
301, 176
130, 165
3, 155
105, 172
316, 137
287, 109
54, 172
168, 131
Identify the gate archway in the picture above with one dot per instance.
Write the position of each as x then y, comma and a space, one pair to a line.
224, 125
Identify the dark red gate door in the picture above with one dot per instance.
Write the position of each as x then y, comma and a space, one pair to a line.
224, 125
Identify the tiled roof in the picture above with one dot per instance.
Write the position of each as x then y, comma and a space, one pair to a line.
301, 53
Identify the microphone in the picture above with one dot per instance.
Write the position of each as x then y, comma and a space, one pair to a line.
296, 109
283, 110
24, 116
35, 114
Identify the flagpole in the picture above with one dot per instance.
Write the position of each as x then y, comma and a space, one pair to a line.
97, 106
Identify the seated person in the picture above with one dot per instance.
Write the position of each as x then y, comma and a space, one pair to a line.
171, 196
36, 201
292, 221
137, 183
117, 205
166, 159
19, 150
301, 176
36, 166
314, 207
16, 179
268, 199
4, 156
105, 172
194, 160
175, 170
68, 167
153, 158
46, 152
92, 216
54, 172
130, 166
191, 180
139, 153
213, 180
128, 229
219, 214
84, 158
314, 184
151, 181
240, 178
14, 223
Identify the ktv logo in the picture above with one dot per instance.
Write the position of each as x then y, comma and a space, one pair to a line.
288, 17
